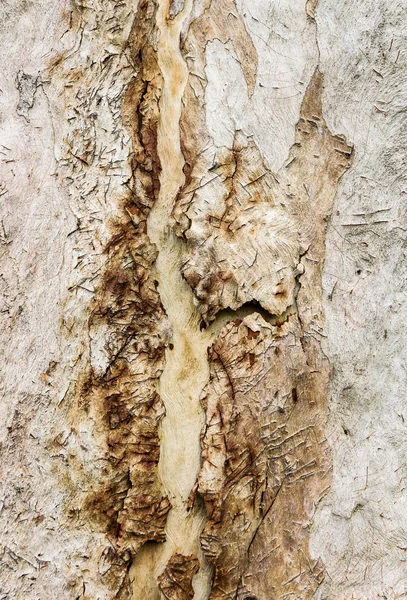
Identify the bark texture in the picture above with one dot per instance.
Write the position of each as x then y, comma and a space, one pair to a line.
202, 240
175, 583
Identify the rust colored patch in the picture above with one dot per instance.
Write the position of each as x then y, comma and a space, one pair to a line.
123, 400
128, 325
175, 583
140, 109
127, 319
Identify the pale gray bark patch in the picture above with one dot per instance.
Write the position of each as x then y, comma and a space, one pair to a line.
27, 86
360, 528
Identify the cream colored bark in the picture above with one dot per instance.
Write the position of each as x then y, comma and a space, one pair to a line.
202, 300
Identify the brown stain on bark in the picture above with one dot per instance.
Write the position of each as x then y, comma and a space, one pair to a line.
130, 506
175, 583
265, 461
116, 490
123, 400
126, 308
140, 106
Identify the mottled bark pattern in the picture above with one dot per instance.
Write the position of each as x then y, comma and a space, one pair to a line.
122, 401
116, 396
265, 459
202, 319
128, 312
175, 583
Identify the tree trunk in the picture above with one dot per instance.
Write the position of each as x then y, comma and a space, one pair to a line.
202, 300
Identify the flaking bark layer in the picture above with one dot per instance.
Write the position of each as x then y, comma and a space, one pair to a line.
115, 399
257, 238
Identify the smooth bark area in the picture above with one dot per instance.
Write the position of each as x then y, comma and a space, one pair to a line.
202, 300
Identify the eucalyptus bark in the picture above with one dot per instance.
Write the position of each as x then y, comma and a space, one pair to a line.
203, 233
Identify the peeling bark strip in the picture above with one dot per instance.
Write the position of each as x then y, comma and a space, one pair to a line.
256, 236
127, 314
186, 370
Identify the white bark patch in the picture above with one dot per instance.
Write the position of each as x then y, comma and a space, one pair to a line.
287, 56
226, 97
360, 529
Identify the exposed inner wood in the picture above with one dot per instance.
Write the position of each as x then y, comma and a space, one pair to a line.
186, 370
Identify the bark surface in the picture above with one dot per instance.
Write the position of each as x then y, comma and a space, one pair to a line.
202, 306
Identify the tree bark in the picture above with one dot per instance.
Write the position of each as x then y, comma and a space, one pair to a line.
202, 300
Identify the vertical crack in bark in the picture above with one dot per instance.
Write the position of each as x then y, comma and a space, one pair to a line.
186, 370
